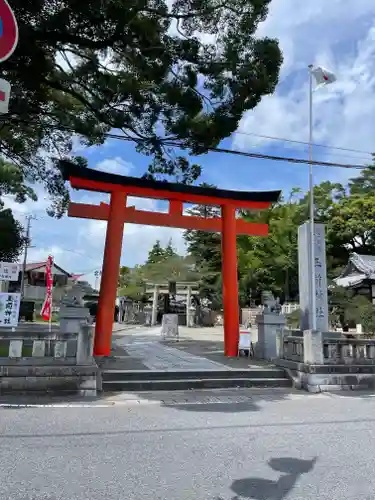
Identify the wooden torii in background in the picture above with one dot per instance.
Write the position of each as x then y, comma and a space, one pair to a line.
116, 213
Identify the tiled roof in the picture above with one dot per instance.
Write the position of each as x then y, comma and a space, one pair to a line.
364, 263
33, 266
365, 267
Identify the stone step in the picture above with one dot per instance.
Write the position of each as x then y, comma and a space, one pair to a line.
149, 375
188, 384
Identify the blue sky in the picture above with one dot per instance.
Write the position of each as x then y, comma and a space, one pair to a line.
339, 35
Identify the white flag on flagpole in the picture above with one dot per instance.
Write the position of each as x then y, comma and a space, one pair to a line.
323, 76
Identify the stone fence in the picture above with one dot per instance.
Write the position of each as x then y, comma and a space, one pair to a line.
68, 348
48, 362
319, 361
333, 350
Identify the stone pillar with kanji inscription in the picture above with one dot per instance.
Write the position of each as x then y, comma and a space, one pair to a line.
304, 274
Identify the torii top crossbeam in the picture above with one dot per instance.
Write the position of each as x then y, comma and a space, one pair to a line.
176, 194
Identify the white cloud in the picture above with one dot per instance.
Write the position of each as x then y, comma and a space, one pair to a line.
29, 207
339, 35
115, 166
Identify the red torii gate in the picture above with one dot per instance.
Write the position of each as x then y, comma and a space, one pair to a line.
117, 213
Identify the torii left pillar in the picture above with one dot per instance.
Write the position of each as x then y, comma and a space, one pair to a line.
110, 271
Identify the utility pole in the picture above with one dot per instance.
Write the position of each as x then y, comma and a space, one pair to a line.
27, 245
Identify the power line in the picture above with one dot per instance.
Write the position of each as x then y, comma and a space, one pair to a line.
287, 159
253, 155
256, 155
261, 156
283, 139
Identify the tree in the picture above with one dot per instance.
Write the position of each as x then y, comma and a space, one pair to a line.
130, 283
365, 182
12, 182
11, 239
205, 248
271, 263
169, 250
162, 76
347, 307
156, 254
174, 268
125, 276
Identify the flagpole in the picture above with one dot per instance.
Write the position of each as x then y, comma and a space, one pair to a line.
311, 189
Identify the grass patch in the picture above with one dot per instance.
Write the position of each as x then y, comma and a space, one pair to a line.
55, 319
4, 351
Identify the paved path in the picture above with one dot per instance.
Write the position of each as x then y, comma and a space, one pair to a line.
144, 345
273, 446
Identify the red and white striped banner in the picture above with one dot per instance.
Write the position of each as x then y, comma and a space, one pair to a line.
47, 305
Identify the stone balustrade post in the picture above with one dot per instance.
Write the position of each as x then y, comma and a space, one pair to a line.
313, 347
280, 334
85, 345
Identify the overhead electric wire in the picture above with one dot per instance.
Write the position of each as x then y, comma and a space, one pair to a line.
260, 156
283, 139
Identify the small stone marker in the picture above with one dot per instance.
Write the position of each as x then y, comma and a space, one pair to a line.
169, 326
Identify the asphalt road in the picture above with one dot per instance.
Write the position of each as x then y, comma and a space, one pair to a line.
274, 446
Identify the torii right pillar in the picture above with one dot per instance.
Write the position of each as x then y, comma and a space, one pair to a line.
230, 281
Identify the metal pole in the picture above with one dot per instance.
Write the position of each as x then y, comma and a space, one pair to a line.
27, 242
311, 189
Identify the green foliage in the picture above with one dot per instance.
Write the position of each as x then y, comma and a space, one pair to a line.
156, 254
174, 268
205, 248
367, 318
271, 263
83, 68
11, 239
130, 284
12, 182
293, 319
346, 307
163, 265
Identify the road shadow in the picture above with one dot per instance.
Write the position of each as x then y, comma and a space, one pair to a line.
218, 400
29, 400
257, 488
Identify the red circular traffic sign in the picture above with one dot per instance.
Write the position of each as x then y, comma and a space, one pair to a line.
8, 31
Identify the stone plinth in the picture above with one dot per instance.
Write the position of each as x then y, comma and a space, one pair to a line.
169, 326
71, 318
268, 326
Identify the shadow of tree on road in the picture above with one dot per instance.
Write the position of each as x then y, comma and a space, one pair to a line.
257, 488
